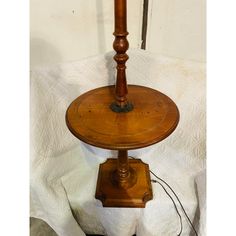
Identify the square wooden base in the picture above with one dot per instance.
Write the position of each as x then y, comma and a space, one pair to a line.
113, 196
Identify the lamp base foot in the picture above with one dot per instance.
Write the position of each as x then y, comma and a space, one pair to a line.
111, 195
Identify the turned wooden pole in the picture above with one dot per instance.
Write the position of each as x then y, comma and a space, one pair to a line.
121, 104
123, 165
124, 176
121, 45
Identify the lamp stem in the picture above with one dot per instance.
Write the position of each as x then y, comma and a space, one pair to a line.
121, 45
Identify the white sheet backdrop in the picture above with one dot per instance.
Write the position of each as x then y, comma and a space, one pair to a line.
64, 170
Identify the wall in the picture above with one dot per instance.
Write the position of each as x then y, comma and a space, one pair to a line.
68, 30
178, 28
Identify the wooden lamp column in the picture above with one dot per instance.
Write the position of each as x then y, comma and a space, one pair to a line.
121, 45
121, 118
124, 176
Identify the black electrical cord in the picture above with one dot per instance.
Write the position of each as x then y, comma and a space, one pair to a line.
182, 207
177, 200
180, 218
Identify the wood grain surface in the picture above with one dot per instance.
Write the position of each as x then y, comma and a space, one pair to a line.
154, 117
113, 195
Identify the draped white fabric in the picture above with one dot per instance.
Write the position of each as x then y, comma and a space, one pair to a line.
64, 170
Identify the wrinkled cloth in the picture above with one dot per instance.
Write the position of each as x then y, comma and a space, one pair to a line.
64, 170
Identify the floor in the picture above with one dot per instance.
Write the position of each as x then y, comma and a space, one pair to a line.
39, 227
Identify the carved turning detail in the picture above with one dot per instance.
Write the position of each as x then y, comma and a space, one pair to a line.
113, 193
124, 176
121, 45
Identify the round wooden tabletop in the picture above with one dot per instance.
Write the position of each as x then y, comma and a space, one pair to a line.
154, 117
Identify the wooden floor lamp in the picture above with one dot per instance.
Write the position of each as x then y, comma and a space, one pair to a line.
122, 118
